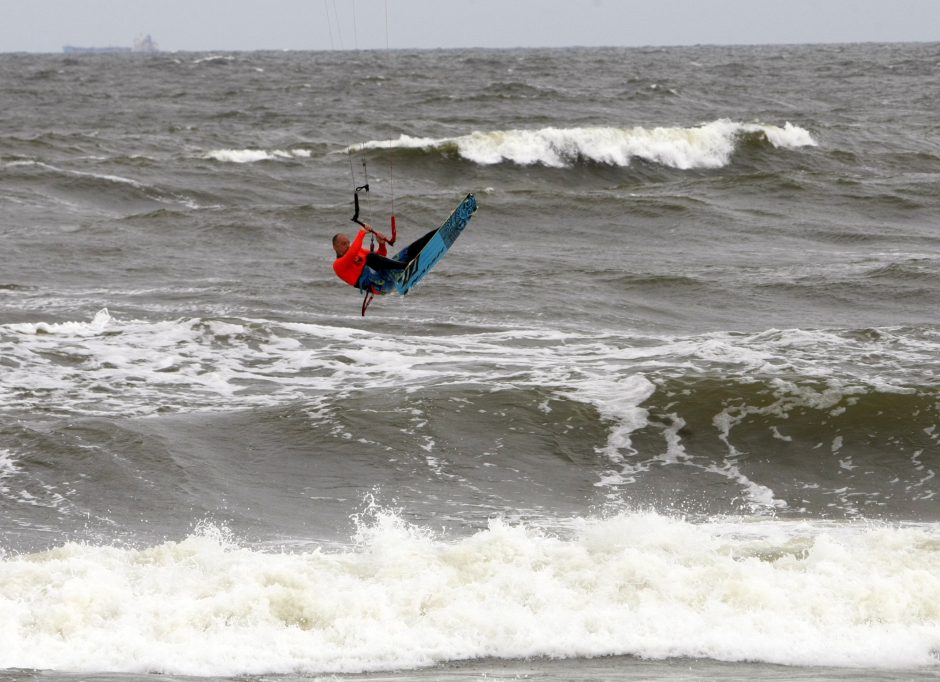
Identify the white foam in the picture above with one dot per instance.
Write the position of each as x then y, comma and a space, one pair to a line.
215, 58
254, 155
709, 145
7, 468
98, 324
402, 597
618, 401
101, 176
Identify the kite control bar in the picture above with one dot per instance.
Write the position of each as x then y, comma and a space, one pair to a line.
355, 217
365, 172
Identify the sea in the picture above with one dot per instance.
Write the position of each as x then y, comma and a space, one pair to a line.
669, 409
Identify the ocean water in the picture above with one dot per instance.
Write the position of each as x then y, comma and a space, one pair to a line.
669, 409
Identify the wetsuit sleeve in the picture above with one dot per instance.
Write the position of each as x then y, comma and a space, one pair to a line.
357, 242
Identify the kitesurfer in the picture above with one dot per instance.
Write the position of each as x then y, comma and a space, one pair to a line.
357, 265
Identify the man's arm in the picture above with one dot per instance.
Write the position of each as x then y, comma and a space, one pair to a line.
383, 250
357, 242
353, 251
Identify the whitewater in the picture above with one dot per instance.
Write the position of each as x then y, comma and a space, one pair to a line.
401, 597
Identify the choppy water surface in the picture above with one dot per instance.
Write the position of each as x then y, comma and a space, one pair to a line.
668, 409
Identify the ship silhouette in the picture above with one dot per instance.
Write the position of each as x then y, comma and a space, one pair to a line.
143, 43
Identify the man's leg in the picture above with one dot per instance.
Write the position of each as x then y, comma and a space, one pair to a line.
381, 263
414, 247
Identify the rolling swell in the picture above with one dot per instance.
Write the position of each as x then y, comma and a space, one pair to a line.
253, 469
792, 447
704, 446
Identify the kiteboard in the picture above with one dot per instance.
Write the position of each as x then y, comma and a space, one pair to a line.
431, 253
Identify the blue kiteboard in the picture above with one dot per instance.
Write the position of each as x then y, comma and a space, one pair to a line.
420, 264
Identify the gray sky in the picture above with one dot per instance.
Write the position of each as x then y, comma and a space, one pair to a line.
206, 25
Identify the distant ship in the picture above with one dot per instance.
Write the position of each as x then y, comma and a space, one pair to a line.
141, 44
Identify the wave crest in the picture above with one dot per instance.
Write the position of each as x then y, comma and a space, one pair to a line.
710, 145
253, 155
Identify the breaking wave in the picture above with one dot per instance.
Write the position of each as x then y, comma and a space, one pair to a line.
254, 155
710, 145
401, 597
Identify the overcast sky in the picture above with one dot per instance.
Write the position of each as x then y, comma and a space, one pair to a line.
207, 25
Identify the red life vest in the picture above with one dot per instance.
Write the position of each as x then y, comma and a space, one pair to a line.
350, 265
